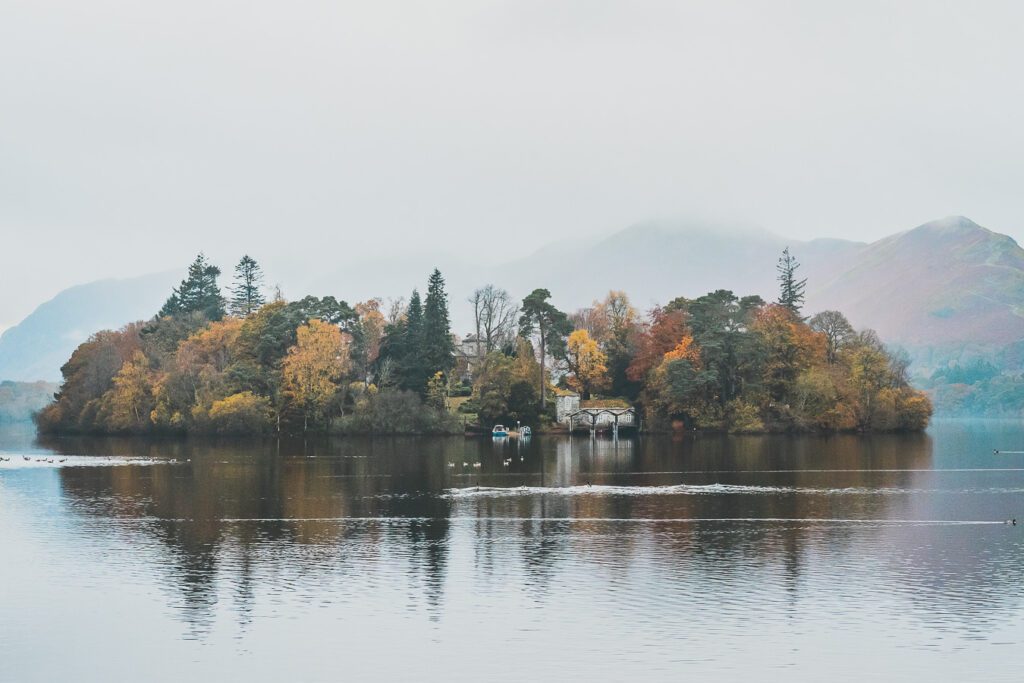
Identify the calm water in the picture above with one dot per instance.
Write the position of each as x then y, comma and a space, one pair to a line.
752, 558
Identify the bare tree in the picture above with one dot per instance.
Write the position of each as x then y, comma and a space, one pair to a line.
396, 310
837, 330
899, 367
494, 314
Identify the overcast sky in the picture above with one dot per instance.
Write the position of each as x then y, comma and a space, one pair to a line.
133, 134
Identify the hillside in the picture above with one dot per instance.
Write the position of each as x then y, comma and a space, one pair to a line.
36, 348
949, 286
656, 262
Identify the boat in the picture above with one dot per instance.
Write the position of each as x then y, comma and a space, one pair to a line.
499, 430
525, 431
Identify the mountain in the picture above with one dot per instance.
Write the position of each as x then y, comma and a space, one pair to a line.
948, 290
38, 346
656, 262
947, 281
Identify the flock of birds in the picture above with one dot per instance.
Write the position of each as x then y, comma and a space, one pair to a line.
476, 465
28, 459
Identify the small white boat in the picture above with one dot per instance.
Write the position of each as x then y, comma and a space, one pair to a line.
525, 431
499, 430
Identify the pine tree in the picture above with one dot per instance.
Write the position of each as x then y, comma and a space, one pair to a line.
791, 290
438, 347
549, 324
246, 296
198, 293
408, 352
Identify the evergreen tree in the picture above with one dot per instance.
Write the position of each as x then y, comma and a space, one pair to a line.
246, 296
198, 293
438, 349
549, 324
407, 351
791, 290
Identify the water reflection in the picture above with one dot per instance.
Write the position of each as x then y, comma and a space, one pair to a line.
694, 536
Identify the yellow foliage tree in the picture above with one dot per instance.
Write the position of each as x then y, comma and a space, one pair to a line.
130, 400
312, 367
587, 363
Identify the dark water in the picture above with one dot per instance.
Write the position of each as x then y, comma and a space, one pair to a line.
753, 558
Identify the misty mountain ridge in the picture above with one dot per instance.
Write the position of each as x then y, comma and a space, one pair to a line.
39, 345
948, 289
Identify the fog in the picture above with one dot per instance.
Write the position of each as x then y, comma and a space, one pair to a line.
313, 134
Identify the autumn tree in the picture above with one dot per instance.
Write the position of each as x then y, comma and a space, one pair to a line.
313, 367
660, 335
791, 290
619, 344
131, 399
586, 363
246, 293
197, 293
505, 388
549, 325
789, 347
373, 325
678, 387
837, 330
88, 375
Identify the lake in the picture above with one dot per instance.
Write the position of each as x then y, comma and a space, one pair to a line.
723, 558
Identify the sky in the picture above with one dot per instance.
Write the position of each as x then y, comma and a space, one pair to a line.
314, 134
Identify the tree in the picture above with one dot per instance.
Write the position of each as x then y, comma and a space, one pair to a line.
587, 364
313, 366
197, 293
550, 325
438, 348
437, 392
131, 398
494, 316
620, 341
373, 325
791, 290
401, 360
788, 347
837, 330
246, 296
719, 322
504, 387
655, 339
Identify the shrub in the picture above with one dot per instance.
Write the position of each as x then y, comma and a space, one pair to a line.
396, 412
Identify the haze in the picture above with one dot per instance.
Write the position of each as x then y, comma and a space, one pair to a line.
134, 135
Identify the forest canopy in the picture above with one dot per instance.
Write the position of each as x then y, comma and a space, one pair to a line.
246, 363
